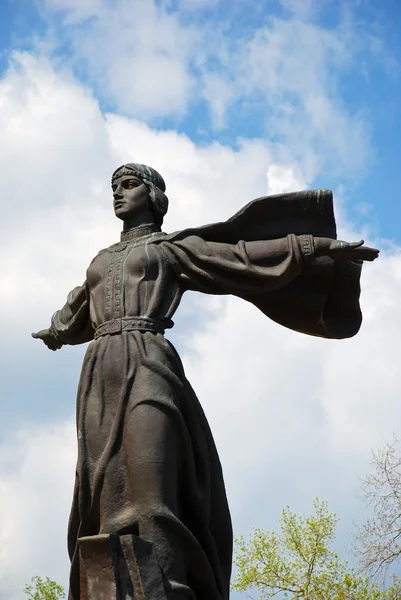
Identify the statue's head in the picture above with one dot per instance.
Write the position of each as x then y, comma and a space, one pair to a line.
137, 188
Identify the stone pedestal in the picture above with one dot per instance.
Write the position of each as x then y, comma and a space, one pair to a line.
114, 567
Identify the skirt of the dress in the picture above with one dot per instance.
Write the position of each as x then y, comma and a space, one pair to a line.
148, 466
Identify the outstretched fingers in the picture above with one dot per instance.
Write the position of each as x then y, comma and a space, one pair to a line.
357, 244
366, 253
38, 335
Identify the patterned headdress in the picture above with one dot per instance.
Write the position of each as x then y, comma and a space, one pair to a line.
154, 182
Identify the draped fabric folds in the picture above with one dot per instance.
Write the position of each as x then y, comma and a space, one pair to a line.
147, 464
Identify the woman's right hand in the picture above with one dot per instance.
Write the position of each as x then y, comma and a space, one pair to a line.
339, 250
48, 339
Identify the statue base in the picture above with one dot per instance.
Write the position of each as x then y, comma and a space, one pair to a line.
119, 567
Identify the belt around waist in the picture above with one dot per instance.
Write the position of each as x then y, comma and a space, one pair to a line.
132, 324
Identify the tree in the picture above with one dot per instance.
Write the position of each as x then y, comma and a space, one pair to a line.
300, 564
44, 590
378, 541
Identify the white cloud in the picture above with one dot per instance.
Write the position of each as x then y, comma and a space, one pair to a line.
295, 66
143, 64
155, 62
281, 179
304, 9
44, 115
37, 469
219, 94
74, 10
197, 4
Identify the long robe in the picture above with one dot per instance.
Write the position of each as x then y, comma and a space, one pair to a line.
147, 464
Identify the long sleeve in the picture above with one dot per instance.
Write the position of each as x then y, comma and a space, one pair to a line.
71, 325
243, 268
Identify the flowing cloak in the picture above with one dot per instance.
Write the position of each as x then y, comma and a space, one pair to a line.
324, 299
147, 464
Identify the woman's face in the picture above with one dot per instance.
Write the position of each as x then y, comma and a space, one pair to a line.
131, 196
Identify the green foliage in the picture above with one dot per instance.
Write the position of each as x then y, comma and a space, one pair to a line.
47, 589
300, 564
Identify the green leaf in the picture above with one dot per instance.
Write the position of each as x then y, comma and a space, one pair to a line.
47, 589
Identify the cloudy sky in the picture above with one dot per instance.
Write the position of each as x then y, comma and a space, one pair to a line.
229, 100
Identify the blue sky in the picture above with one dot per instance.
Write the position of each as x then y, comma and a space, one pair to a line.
369, 85
230, 101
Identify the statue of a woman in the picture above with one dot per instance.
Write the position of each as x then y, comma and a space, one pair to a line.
147, 465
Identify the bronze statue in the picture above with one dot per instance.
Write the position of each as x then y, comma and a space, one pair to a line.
150, 517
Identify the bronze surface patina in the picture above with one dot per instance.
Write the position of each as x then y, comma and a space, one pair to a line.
150, 518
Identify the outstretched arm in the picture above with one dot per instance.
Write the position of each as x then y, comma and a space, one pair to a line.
321, 299
256, 266
238, 269
70, 325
